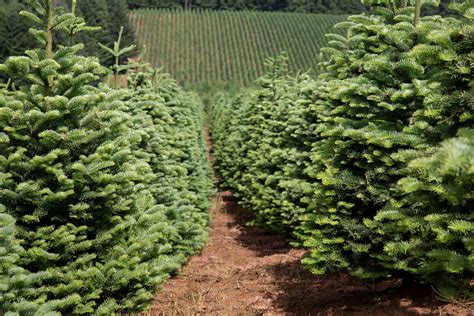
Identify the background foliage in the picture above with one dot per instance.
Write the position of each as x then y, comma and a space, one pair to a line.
308, 6
108, 14
313, 6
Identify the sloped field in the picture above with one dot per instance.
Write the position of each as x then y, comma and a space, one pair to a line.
228, 46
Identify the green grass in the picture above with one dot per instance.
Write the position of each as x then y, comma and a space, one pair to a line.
205, 46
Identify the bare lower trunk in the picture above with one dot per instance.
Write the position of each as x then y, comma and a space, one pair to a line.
188, 4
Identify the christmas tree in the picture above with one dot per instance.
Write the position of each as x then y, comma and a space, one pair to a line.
394, 88
69, 175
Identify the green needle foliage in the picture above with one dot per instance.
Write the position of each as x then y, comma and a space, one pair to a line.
16, 283
367, 165
173, 121
392, 92
436, 203
111, 15
266, 132
69, 175
117, 53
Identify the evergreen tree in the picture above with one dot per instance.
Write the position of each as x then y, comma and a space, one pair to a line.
174, 145
436, 193
265, 159
207, 4
164, 4
298, 6
379, 103
110, 14
311, 6
117, 19
70, 178
96, 13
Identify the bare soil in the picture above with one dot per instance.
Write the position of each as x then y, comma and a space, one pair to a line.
247, 271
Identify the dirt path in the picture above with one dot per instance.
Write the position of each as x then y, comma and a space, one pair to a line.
248, 271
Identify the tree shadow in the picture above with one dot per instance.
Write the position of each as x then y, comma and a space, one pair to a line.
259, 240
303, 293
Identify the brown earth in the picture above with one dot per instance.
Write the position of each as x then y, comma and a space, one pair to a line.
247, 271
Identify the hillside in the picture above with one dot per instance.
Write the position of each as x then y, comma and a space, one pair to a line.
203, 46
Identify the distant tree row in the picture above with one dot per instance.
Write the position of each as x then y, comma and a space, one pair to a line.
310, 6
110, 14
314, 6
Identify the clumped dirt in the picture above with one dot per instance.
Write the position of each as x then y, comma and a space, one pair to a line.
247, 271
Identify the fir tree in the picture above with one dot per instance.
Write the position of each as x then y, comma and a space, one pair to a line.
170, 125
385, 96
108, 17
265, 159
96, 13
118, 19
436, 193
69, 175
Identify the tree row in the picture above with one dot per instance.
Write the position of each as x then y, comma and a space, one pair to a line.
104, 191
370, 165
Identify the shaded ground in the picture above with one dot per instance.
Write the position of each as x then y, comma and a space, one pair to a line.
248, 271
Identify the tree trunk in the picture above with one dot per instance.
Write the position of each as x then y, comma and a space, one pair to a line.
188, 4
417, 12
49, 44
